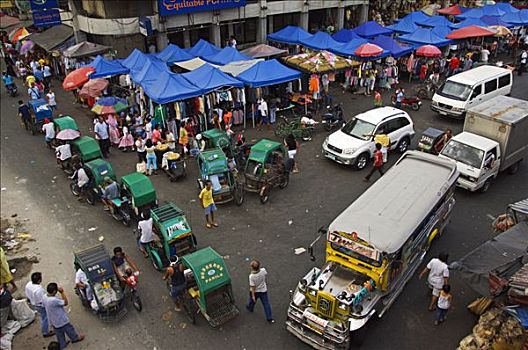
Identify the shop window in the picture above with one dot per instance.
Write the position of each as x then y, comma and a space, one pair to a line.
286, 19
246, 32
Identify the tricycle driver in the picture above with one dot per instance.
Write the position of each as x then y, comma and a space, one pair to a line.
81, 283
111, 191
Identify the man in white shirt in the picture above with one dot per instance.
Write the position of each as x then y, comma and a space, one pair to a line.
263, 111
147, 234
484, 54
63, 152
523, 61
49, 131
81, 282
437, 277
35, 294
258, 289
51, 99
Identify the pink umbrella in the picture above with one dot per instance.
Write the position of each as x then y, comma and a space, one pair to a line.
26, 47
93, 88
428, 51
368, 50
68, 134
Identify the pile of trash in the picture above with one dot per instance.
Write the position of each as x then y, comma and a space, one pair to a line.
495, 329
13, 235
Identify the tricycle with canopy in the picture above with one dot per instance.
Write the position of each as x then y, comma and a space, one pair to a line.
86, 148
209, 288
216, 138
431, 141
137, 194
175, 233
65, 122
97, 170
103, 285
213, 167
267, 167
39, 110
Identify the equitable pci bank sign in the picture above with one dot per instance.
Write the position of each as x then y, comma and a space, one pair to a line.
177, 7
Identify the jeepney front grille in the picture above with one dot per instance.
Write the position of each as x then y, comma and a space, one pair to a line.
443, 105
325, 305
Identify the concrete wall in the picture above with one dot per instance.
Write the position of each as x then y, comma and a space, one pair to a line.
122, 44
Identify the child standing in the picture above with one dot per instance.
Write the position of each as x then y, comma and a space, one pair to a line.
444, 303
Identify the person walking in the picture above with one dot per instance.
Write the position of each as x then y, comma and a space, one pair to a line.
378, 102
258, 289
33, 92
48, 128
24, 114
444, 303
102, 136
207, 201
378, 163
140, 149
58, 316
5, 272
438, 275
175, 274
52, 102
147, 235
152, 161
292, 145
35, 294
523, 61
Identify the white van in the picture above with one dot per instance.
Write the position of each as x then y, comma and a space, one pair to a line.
470, 88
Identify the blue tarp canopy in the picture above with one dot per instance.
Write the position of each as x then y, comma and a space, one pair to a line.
267, 73
387, 43
506, 7
442, 31
434, 21
320, 41
425, 36
170, 87
415, 16
209, 78
203, 48
135, 60
516, 18
225, 56
347, 49
371, 29
174, 53
150, 71
469, 22
289, 35
488, 10
104, 68
495, 21
345, 35
406, 26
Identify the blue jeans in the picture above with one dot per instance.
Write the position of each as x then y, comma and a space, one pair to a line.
152, 161
441, 314
273, 115
44, 326
263, 296
68, 330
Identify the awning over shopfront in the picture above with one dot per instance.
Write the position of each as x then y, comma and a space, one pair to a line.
52, 38
289, 35
173, 53
225, 56
203, 48
209, 78
8, 21
320, 41
85, 49
263, 50
105, 68
371, 29
268, 73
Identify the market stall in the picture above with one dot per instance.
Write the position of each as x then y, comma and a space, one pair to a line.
225, 56
319, 41
203, 48
173, 53
345, 35
292, 35
262, 51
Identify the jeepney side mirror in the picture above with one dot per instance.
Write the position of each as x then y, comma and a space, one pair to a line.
322, 231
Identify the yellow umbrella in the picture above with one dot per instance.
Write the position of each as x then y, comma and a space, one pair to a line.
501, 30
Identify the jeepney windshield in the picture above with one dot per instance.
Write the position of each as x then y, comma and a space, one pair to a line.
355, 249
463, 153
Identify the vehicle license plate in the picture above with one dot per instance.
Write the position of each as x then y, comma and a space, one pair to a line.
330, 156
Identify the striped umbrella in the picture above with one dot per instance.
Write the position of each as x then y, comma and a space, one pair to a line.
109, 105
18, 34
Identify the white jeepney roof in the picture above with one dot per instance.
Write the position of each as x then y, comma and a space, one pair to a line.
388, 212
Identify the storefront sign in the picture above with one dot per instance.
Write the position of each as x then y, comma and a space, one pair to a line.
46, 18
38, 5
177, 7
145, 26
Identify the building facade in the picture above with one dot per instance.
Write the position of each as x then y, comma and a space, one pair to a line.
117, 22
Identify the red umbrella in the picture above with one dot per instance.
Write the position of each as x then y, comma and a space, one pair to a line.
451, 10
470, 32
428, 51
77, 78
368, 50
93, 88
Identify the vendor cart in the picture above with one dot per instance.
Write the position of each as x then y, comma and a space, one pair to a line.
39, 110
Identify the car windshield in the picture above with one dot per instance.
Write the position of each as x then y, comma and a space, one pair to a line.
455, 91
359, 129
464, 153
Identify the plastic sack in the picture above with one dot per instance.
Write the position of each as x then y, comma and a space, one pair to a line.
5, 341
22, 312
141, 167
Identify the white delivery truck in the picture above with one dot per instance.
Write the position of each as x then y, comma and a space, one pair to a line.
495, 138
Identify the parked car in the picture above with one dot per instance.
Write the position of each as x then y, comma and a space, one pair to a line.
354, 144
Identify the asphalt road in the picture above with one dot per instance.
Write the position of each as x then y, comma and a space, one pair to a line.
36, 189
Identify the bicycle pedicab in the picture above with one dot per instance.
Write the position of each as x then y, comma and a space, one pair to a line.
86, 148
108, 298
137, 195
213, 167
39, 110
209, 289
216, 138
267, 167
175, 233
431, 141
97, 170
65, 122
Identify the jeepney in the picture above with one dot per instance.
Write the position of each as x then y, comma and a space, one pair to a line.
373, 248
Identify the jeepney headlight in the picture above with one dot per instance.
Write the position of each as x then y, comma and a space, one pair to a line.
349, 150
313, 293
457, 109
472, 179
298, 298
325, 143
342, 306
434, 103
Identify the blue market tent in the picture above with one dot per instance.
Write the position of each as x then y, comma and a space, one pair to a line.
425, 36
150, 71
495, 21
506, 7
347, 49
267, 73
289, 35
225, 56
320, 41
209, 78
469, 22
415, 17
135, 60
442, 31
371, 29
345, 35
170, 87
105, 68
387, 43
516, 18
434, 21
174, 53
405, 26
203, 48
488, 10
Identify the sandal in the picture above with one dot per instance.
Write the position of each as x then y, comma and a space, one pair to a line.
208, 225
215, 224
